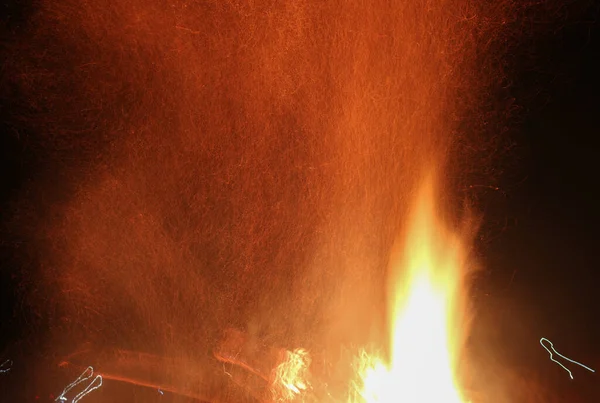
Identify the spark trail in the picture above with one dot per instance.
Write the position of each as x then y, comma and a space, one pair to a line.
85, 375
562, 356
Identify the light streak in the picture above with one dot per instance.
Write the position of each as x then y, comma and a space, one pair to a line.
6, 366
85, 375
562, 356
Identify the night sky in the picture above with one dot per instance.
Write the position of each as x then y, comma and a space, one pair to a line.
542, 266
541, 244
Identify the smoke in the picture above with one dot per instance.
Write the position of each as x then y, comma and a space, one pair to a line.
201, 165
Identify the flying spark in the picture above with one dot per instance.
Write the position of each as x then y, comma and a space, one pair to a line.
562, 356
85, 375
6, 366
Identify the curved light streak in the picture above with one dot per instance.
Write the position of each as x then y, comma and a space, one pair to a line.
85, 375
562, 356
6, 366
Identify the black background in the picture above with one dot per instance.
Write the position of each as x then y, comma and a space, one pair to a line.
542, 259
541, 276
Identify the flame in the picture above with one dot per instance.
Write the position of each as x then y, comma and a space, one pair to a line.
425, 301
291, 376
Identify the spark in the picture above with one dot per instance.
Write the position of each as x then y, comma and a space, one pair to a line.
85, 375
191, 31
6, 366
562, 356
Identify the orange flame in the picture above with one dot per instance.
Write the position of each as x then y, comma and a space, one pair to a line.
425, 300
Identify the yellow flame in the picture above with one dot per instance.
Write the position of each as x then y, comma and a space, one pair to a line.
425, 307
291, 376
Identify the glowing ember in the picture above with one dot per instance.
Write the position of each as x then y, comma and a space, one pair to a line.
424, 300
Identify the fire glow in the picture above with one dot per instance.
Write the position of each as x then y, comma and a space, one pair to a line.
425, 303
249, 166
426, 318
